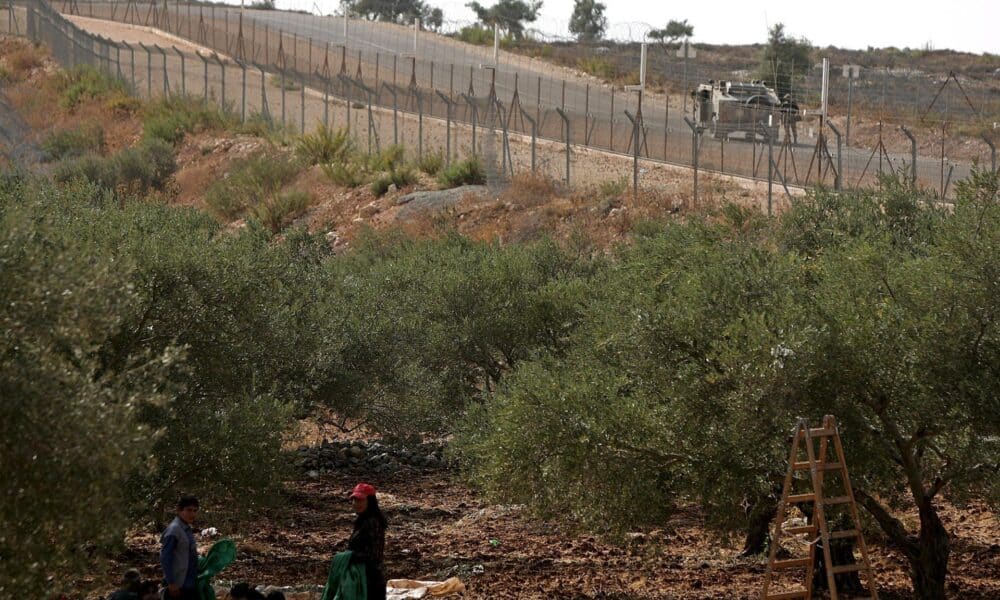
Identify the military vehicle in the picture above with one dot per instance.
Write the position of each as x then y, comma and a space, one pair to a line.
726, 107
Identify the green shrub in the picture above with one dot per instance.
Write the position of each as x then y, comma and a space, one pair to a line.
68, 425
388, 159
431, 163
290, 83
475, 34
71, 143
278, 211
89, 168
350, 174
171, 118
612, 188
136, 170
263, 126
82, 82
598, 67
148, 166
250, 182
465, 172
324, 146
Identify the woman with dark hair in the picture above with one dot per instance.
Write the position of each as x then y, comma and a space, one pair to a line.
367, 541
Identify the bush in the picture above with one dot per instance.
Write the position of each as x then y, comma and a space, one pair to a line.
133, 170
263, 126
289, 83
251, 182
89, 168
68, 426
22, 61
599, 67
149, 166
123, 104
431, 163
466, 172
171, 118
71, 143
349, 174
324, 146
612, 188
83, 82
475, 34
278, 211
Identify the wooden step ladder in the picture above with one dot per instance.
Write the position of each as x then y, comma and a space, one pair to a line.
817, 530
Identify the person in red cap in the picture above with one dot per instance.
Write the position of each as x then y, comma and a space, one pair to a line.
367, 541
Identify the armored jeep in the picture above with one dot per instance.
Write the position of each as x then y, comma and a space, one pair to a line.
726, 107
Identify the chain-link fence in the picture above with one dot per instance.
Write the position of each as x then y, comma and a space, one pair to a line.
390, 82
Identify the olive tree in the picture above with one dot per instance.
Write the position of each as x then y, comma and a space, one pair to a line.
69, 436
588, 22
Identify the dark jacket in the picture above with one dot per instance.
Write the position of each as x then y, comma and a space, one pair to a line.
179, 555
367, 542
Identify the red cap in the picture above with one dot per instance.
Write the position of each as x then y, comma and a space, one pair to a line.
363, 490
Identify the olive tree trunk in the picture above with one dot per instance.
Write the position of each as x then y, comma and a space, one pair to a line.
927, 552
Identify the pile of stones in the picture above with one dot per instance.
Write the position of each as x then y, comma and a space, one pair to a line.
371, 457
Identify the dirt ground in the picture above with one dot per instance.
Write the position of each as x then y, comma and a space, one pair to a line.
440, 528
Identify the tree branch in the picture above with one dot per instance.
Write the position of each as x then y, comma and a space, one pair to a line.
892, 526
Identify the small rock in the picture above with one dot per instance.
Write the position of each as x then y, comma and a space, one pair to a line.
392, 189
313, 474
478, 569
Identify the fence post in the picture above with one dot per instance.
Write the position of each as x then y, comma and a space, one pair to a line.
166, 77
472, 105
420, 123
302, 106
534, 135
204, 63
131, 51
770, 170
282, 68
566, 125
183, 71
838, 183
265, 111
243, 95
635, 154
913, 155
222, 67
149, 71
326, 101
395, 113
695, 132
447, 141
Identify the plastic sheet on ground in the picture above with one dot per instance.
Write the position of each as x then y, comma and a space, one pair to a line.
400, 589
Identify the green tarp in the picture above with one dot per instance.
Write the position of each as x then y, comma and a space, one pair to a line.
345, 581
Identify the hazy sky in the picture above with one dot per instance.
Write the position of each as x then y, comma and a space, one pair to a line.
969, 25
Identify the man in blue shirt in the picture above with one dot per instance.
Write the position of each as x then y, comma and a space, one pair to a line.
179, 552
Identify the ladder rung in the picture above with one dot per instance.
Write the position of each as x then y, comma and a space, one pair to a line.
802, 466
791, 563
847, 568
847, 533
795, 498
837, 500
821, 432
810, 529
787, 595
